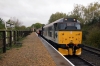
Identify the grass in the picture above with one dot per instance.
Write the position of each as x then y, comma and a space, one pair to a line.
13, 46
1, 50
17, 46
0, 57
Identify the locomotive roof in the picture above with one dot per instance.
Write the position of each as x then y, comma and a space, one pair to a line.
67, 20
63, 20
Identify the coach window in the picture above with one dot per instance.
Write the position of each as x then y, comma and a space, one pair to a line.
55, 26
50, 31
44, 31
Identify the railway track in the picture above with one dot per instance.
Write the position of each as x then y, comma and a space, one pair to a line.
78, 61
92, 50
90, 57
91, 54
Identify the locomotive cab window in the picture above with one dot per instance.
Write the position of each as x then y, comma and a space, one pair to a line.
78, 26
62, 26
69, 26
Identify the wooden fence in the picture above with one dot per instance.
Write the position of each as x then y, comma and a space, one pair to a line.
7, 38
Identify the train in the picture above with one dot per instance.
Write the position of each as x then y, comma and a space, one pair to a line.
65, 35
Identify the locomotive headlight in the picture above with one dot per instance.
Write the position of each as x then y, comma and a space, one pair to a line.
74, 19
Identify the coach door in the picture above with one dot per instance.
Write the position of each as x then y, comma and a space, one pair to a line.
55, 33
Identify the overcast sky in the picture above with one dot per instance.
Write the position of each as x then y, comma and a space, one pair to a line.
32, 11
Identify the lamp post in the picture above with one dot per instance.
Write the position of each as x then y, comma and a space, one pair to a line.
10, 25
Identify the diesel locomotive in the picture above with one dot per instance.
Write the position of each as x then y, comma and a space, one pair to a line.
65, 34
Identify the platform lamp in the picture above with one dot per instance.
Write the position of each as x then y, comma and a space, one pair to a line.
10, 25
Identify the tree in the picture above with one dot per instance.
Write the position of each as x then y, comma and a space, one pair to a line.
56, 16
92, 11
2, 25
16, 22
89, 16
93, 38
37, 25
22, 27
86, 14
78, 13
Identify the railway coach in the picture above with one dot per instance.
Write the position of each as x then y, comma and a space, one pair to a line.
65, 34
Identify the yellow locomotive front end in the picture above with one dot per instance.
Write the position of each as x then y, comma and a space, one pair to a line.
71, 40
69, 37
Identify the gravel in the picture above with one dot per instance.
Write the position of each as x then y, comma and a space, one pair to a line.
32, 53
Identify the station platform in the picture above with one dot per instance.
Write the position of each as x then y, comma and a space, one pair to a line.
32, 53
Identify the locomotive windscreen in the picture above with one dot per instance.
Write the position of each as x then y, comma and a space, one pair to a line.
70, 20
69, 26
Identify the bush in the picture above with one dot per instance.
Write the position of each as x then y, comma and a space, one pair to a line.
93, 37
84, 32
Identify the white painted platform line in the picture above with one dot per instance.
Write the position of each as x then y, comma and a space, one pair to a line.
60, 53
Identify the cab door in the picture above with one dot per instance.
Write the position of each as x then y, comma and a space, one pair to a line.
55, 35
